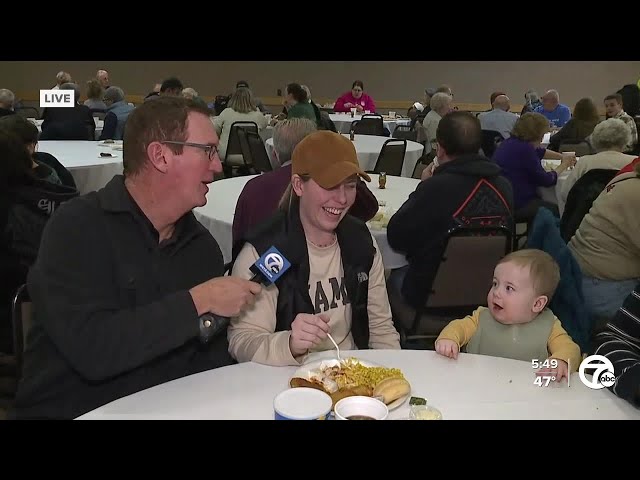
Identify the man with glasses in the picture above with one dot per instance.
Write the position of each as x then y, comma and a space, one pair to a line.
128, 289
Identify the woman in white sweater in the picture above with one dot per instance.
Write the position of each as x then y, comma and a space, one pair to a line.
609, 138
241, 108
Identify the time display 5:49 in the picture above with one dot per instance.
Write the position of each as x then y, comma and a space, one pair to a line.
548, 363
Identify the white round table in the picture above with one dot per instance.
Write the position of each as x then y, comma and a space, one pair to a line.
471, 387
368, 149
342, 121
217, 214
82, 158
552, 194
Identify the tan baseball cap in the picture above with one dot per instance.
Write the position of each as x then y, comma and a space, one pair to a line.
327, 157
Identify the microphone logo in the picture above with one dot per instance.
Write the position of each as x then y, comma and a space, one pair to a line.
271, 265
274, 262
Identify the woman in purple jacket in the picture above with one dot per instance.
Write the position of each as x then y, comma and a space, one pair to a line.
355, 98
520, 158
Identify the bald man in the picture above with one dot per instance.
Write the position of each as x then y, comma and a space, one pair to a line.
103, 78
557, 113
499, 118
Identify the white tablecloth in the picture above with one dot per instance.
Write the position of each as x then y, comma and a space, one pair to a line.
471, 387
552, 194
217, 214
90, 171
368, 149
343, 121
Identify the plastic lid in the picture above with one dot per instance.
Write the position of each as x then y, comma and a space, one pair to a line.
302, 403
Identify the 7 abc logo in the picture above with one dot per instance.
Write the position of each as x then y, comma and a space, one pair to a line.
603, 375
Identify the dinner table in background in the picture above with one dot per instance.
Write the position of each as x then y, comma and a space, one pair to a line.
217, 215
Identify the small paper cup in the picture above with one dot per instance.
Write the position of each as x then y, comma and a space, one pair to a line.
360, 408
302, 404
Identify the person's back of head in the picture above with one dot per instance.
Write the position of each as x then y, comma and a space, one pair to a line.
94, 89
502, 102
287, 134
7, 98
113, 95
63, 77
530, 127
544, 272
74, 87
585, 110
297, 92
189, 92
495, 95
25, 130
15, 167
163, 119
459, 133
242, 101
171, 87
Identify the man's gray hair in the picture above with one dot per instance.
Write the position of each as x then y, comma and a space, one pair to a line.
288, 133
611, 133
63, 77
114, 94
439, 101
7, 98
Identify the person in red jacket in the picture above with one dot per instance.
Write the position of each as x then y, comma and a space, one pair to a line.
355, 98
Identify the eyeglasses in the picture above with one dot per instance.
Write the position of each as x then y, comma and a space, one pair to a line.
211, 150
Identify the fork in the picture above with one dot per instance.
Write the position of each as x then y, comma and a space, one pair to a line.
336, 345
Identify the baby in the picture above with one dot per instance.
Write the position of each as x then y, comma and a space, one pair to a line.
517, 323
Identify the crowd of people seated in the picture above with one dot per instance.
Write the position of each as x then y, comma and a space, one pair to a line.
130, 290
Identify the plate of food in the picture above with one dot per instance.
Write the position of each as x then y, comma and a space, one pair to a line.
353, 376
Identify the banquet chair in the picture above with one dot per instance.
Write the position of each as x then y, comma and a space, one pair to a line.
391, 157
490, 141
233, 157
461, 283
28, 112
369, 124
253, 151
405, 132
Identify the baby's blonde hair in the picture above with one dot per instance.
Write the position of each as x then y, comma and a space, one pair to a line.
543, 269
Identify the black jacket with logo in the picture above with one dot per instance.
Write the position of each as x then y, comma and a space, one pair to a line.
419, 228
285, 232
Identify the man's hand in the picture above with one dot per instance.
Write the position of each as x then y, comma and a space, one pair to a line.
348, 105
448, 348
428, 171
225, 296
307, 331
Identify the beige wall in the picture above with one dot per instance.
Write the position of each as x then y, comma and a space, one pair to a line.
472, 81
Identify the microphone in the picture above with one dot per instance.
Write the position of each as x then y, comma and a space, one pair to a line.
269, 267
266, 270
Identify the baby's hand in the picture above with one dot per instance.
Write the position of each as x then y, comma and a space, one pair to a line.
559, 372
448, 348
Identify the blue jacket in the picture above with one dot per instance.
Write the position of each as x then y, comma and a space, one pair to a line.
568, 302
115, 120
